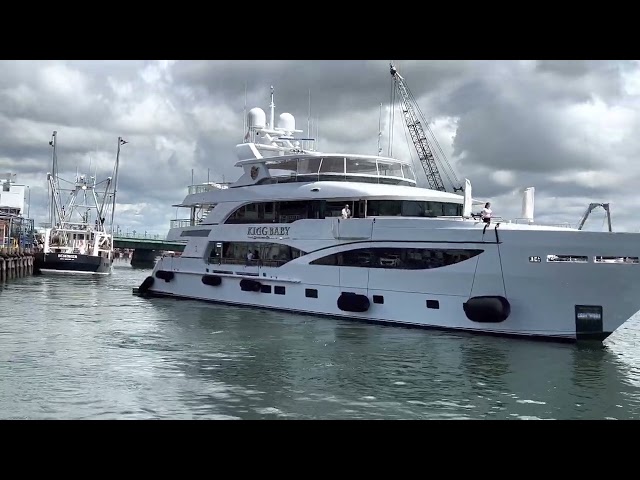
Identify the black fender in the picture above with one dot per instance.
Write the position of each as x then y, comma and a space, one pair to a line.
212, 280
487, 309
165, 275
248, 285
353, 302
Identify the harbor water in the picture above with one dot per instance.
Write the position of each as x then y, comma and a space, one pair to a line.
78, 347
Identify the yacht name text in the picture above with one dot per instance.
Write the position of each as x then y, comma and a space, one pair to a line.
255, 232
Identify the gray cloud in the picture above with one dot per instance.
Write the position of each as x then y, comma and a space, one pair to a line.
573, 68
337, 86
565, 127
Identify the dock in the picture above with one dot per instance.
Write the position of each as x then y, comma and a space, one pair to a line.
15, 263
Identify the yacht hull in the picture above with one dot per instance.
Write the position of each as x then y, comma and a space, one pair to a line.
406, 323
513, 288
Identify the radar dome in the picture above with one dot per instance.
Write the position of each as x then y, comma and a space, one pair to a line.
287, 122
257, 118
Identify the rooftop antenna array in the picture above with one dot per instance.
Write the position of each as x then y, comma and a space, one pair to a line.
269, 136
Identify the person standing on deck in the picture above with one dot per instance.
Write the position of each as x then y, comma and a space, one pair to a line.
485, 214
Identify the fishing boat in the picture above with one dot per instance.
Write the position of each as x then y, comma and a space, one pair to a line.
79, 237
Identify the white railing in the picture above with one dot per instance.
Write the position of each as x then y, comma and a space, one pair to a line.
180, 223
562, 225
204, 187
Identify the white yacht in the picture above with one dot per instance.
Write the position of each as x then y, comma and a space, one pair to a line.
277, 239
79, 237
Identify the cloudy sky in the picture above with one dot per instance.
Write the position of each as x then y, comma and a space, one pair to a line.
568, 128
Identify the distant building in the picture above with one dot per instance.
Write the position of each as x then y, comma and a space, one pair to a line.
15, 229
11, 194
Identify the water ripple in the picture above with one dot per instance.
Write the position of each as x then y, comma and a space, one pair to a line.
87, 349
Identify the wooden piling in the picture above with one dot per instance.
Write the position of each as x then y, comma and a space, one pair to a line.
15, 263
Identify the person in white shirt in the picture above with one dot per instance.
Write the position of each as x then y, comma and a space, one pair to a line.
486, 213
346, 213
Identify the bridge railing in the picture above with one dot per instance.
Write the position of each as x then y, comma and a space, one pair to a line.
136, 235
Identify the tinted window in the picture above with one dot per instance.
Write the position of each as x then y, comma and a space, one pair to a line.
290, 211
195, 233
332, 165
433, 304
265, 254
272, 212
400, 258
253, 213
412, 208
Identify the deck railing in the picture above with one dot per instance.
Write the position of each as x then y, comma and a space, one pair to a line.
180, 223
203, 187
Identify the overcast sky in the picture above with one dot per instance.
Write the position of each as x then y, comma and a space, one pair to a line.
568, 128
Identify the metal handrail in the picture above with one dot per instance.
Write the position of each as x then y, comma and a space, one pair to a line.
147, 235
181, 223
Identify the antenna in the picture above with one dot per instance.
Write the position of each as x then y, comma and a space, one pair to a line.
392, 111
54, 144
244, 113
309, 116
121, 141
380, 131
273, 110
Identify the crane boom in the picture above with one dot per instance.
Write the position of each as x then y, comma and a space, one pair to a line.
418, 136
590, 209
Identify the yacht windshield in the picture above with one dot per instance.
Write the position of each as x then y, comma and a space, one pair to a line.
334, 168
